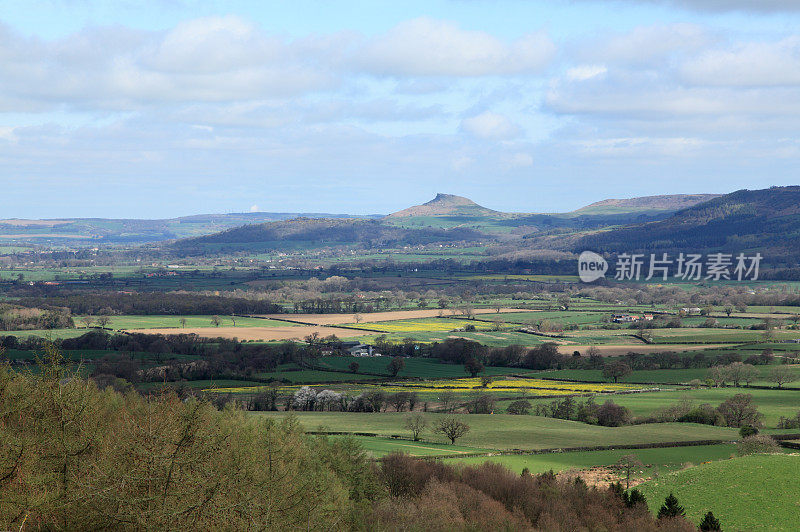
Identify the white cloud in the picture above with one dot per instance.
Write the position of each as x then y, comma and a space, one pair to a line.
753, 64
584, 72
208, 59
427, 47
646, 45
490, 125
758, 6
254, 208
517, 160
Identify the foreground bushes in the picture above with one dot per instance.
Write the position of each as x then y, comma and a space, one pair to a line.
431, 496
75, 457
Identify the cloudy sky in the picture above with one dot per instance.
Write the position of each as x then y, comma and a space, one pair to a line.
175, 107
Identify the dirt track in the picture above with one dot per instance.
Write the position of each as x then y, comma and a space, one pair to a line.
259, 333
617, 350
372, 317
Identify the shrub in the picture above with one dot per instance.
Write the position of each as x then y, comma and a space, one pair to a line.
704, 413
519, 407
747, 430
739, 410
757, 444
610, 414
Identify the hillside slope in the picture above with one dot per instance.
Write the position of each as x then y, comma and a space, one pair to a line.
765, 220
671, 202
305, 233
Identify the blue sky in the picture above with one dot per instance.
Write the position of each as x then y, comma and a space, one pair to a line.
161, 109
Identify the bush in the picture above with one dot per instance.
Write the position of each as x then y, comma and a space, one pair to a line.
739, 410
757, 444
74, 457
704, 414
611, 414
747, 430
519, 407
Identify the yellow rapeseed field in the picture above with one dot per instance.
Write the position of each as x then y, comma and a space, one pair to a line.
530, 386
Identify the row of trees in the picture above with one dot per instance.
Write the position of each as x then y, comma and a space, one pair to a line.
738, 373
736, 411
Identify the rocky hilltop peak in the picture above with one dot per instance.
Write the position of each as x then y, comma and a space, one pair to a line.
446, 205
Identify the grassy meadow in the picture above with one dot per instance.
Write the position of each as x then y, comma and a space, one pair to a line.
758, 492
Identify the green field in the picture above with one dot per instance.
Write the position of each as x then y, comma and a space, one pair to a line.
425, 368
312, 376
654, 460
664, 376
50, 334
758, 492
502, 431
162, 321
771, 403
378, 447
490, 338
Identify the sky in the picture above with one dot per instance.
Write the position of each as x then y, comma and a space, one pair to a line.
164, 108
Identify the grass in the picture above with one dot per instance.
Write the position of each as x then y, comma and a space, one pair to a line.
414, 367
489, 338
758, 492
665, 376
311, 376
655, 460
771, 403
52, 334
378, 447
166, 321
502, 431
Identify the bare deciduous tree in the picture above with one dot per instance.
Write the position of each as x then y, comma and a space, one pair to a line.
452, 428
416, 423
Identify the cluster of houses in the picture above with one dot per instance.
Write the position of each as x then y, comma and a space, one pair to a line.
353, 349
630, 318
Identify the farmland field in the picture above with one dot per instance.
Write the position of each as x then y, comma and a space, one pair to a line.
373, 317
657, 460
174, 322
758, 492
414, 367
282, 332
771, 403
502, 431
667, 376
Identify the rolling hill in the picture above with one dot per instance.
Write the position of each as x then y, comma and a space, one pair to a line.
650, 204
765, 220
307, 233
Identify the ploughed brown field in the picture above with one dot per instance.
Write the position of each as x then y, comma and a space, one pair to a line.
372, 317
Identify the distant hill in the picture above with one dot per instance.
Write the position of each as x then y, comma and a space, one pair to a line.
306, 233
94, 231
765, 220
446, 205
671, 202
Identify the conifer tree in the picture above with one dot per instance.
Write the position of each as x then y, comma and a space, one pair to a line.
709, 523
671, 508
